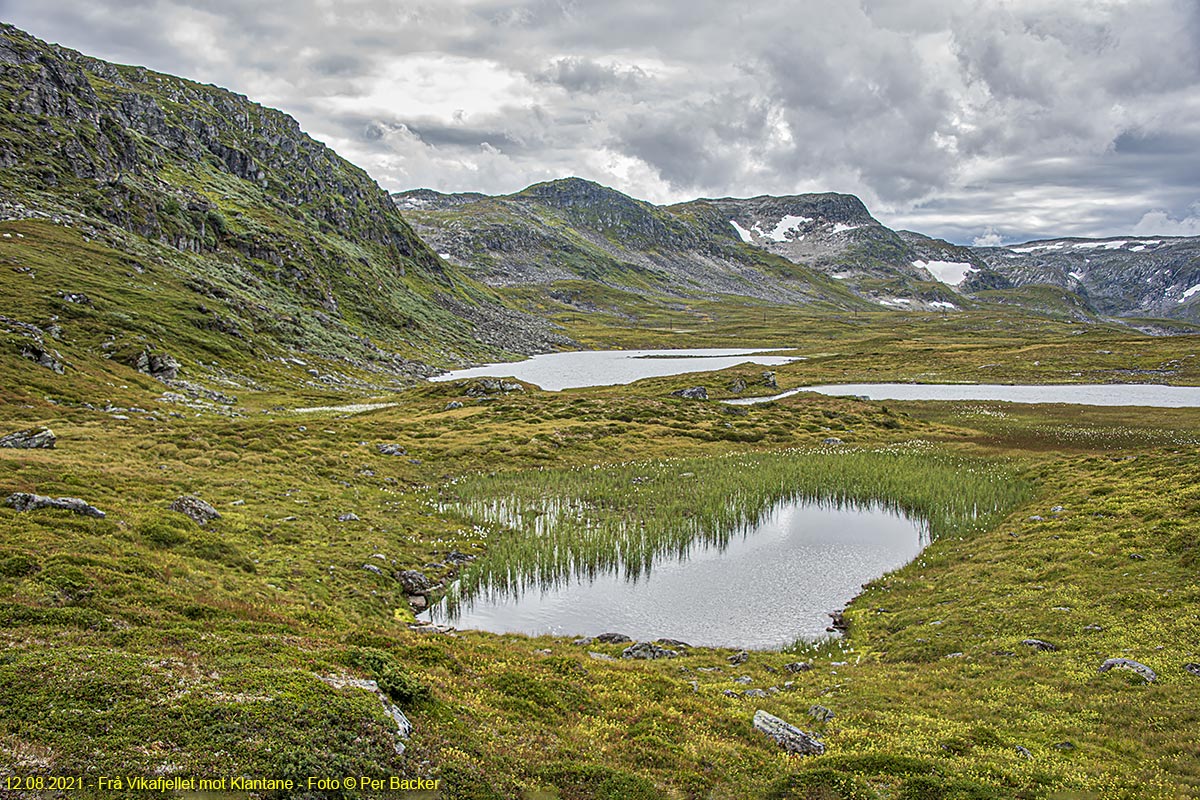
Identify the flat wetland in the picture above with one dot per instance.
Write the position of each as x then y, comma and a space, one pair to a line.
142, 643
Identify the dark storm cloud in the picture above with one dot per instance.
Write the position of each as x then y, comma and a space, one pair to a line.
1002, 119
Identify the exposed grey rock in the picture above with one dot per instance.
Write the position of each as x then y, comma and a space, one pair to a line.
756, 693
583, 641
414, 582
455, 557
838, 622
1093, 627
418, 602
788, 736
1038, 644
1127, 663
798, 666
198, 510
372, 568
42, 357
78, 298
156, 365
831, 440
820, 713
743, 679
769, 380
692, 393
391, 450
731, 693
739, 658
348, 517
1192, 668
404, 728
613, 638
672, 643
1023, 752
1063, 746
647, 650
453, 404
23, 501
738, 386
600, 656
30, 439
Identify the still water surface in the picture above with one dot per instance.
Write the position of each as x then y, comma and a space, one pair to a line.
557, 371
1108, 394
767, 586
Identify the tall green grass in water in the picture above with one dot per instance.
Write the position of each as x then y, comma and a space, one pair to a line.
548, 526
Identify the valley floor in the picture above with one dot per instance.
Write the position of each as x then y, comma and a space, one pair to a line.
144, 644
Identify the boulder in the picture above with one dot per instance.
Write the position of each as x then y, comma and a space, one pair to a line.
647, 650
1038, 644
739, 658
838, 622
673, 643
738, 386
692, 393
613, 638
769, 380
196, 509
23, 501
1193, 669
348, 517
30, 440
156, 365
42, 357
831, 440
820, 713
391, 450
798, 666
760, 693
414, 583
788, 736
453, 404
1128, 663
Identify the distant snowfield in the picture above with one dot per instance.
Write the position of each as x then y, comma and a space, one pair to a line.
839, 227
951, 273
787, 225
1190, 292
742, 232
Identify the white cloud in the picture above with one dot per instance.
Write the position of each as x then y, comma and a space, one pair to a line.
989, 238
1036, 117
1160, 223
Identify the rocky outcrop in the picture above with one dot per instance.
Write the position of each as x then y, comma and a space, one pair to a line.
1137, 667
1038, 644
788, 736
30, 440
195, 509
156, 365
414, 582
613, 638
647, 650
404, 728
23, 501
692, 393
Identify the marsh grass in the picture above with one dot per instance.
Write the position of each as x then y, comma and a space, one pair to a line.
549, 526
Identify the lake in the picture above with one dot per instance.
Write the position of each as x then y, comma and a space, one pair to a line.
557, 371
1108, 394
766, 587
576, 369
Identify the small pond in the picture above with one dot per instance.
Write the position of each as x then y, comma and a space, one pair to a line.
1115, 394
765, 587
557, 371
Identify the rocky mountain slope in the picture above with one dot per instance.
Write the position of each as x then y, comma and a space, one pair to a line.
157, 216
822, 249
1126, 276
790, 250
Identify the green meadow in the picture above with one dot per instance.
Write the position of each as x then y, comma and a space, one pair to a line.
145, 644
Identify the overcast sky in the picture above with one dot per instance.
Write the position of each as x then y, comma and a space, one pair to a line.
988, 120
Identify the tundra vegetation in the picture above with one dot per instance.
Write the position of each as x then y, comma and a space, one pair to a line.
215, 315
146, 643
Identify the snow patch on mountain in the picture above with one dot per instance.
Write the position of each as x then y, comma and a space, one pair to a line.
951, 273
